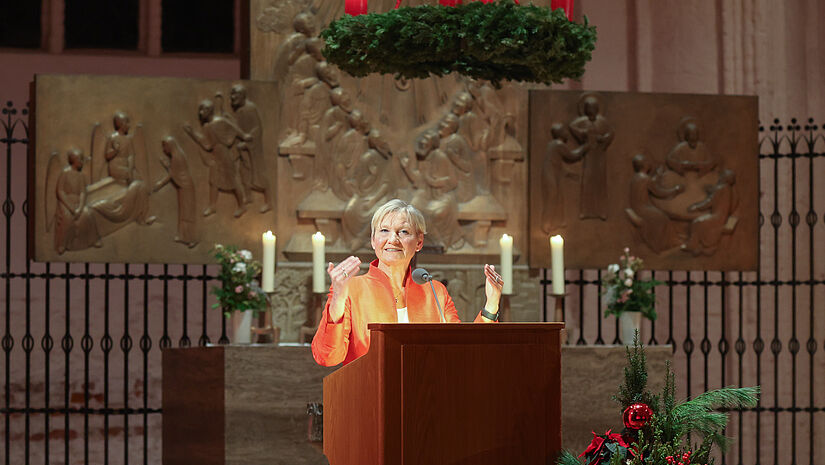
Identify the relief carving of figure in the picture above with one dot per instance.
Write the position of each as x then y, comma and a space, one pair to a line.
594, 134
707, 229
120, 151
654, 225
218, 140
305, 93
177, 172
473, 129
690, 154
333, 125
435, 180
371, 189
458, 151
294, 47
127, 167
74, 222
346, 150
251, 152
552, 175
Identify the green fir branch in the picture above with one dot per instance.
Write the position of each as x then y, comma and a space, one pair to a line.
567, 458
494, 41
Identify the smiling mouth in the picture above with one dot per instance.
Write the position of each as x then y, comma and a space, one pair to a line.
392, 250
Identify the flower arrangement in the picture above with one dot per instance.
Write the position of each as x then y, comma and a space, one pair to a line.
239, 290
658, 429
625, 291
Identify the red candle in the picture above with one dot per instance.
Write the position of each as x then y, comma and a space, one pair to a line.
355, 7
566, 5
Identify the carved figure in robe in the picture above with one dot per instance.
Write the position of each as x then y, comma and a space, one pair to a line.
655, 226
333, 125
346, 150
691, 154
594, 134
436, 181
473, 129
458, 151
295, 46
218, 139
122, 164
707, 229
371, 189
251, 152
74, 222
305, 95
120, 150
177, 172
553, 172
491, 112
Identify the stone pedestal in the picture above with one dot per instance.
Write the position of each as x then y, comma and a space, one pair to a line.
240, 405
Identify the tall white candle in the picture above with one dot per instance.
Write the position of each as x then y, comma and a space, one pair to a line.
557, 263
506, 243
319, 281
268, 272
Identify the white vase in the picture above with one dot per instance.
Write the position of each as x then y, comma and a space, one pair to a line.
629, 323
241, 327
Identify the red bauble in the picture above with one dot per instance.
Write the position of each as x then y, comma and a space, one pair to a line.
636, 416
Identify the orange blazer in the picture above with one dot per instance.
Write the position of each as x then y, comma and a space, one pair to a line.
371, 300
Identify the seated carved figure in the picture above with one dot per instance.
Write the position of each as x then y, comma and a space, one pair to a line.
654, 225
435, 180
74, 222
690, 154
707, 229
370, 188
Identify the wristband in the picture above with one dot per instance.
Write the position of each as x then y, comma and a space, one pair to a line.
488, 315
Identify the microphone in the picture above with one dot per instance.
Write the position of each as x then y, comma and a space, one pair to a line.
420, 276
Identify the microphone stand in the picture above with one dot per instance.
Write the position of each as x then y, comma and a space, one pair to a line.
440, 311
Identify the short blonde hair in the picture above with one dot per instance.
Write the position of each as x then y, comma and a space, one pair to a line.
414, 216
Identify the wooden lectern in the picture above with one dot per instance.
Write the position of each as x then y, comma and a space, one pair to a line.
435, 393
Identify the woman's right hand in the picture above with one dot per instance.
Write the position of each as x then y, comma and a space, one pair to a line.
340, 275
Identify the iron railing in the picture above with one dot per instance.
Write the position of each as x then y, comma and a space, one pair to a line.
100, 402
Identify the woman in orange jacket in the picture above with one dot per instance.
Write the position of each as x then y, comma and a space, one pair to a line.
386, 293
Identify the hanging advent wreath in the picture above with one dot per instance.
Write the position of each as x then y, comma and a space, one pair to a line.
494, 41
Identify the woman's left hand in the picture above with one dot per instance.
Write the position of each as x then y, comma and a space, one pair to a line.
492, 288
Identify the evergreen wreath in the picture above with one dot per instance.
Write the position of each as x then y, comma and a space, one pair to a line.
492, 41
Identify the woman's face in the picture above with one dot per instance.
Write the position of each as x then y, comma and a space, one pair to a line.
396, 240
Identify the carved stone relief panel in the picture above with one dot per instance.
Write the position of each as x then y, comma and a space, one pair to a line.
674, 177
150, 170
453, 148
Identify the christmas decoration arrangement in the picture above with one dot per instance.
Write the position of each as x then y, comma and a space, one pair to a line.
658, 429
625, 291
494, 41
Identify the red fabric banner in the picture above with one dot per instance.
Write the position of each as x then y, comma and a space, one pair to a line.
355, 7
566, 5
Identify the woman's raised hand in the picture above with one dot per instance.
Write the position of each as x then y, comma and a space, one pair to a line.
492, 288
343, 272
339, 275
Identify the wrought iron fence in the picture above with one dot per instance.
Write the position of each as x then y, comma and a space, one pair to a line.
100, 402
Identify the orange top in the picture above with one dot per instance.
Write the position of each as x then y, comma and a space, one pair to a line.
371, 300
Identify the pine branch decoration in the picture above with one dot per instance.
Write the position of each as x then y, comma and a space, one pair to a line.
634, 388
494, 41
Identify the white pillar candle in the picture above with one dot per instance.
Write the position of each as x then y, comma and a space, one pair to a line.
557, 263
319, 281
268, 272
506, 243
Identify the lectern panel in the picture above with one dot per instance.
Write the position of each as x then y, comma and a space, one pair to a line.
486, 422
